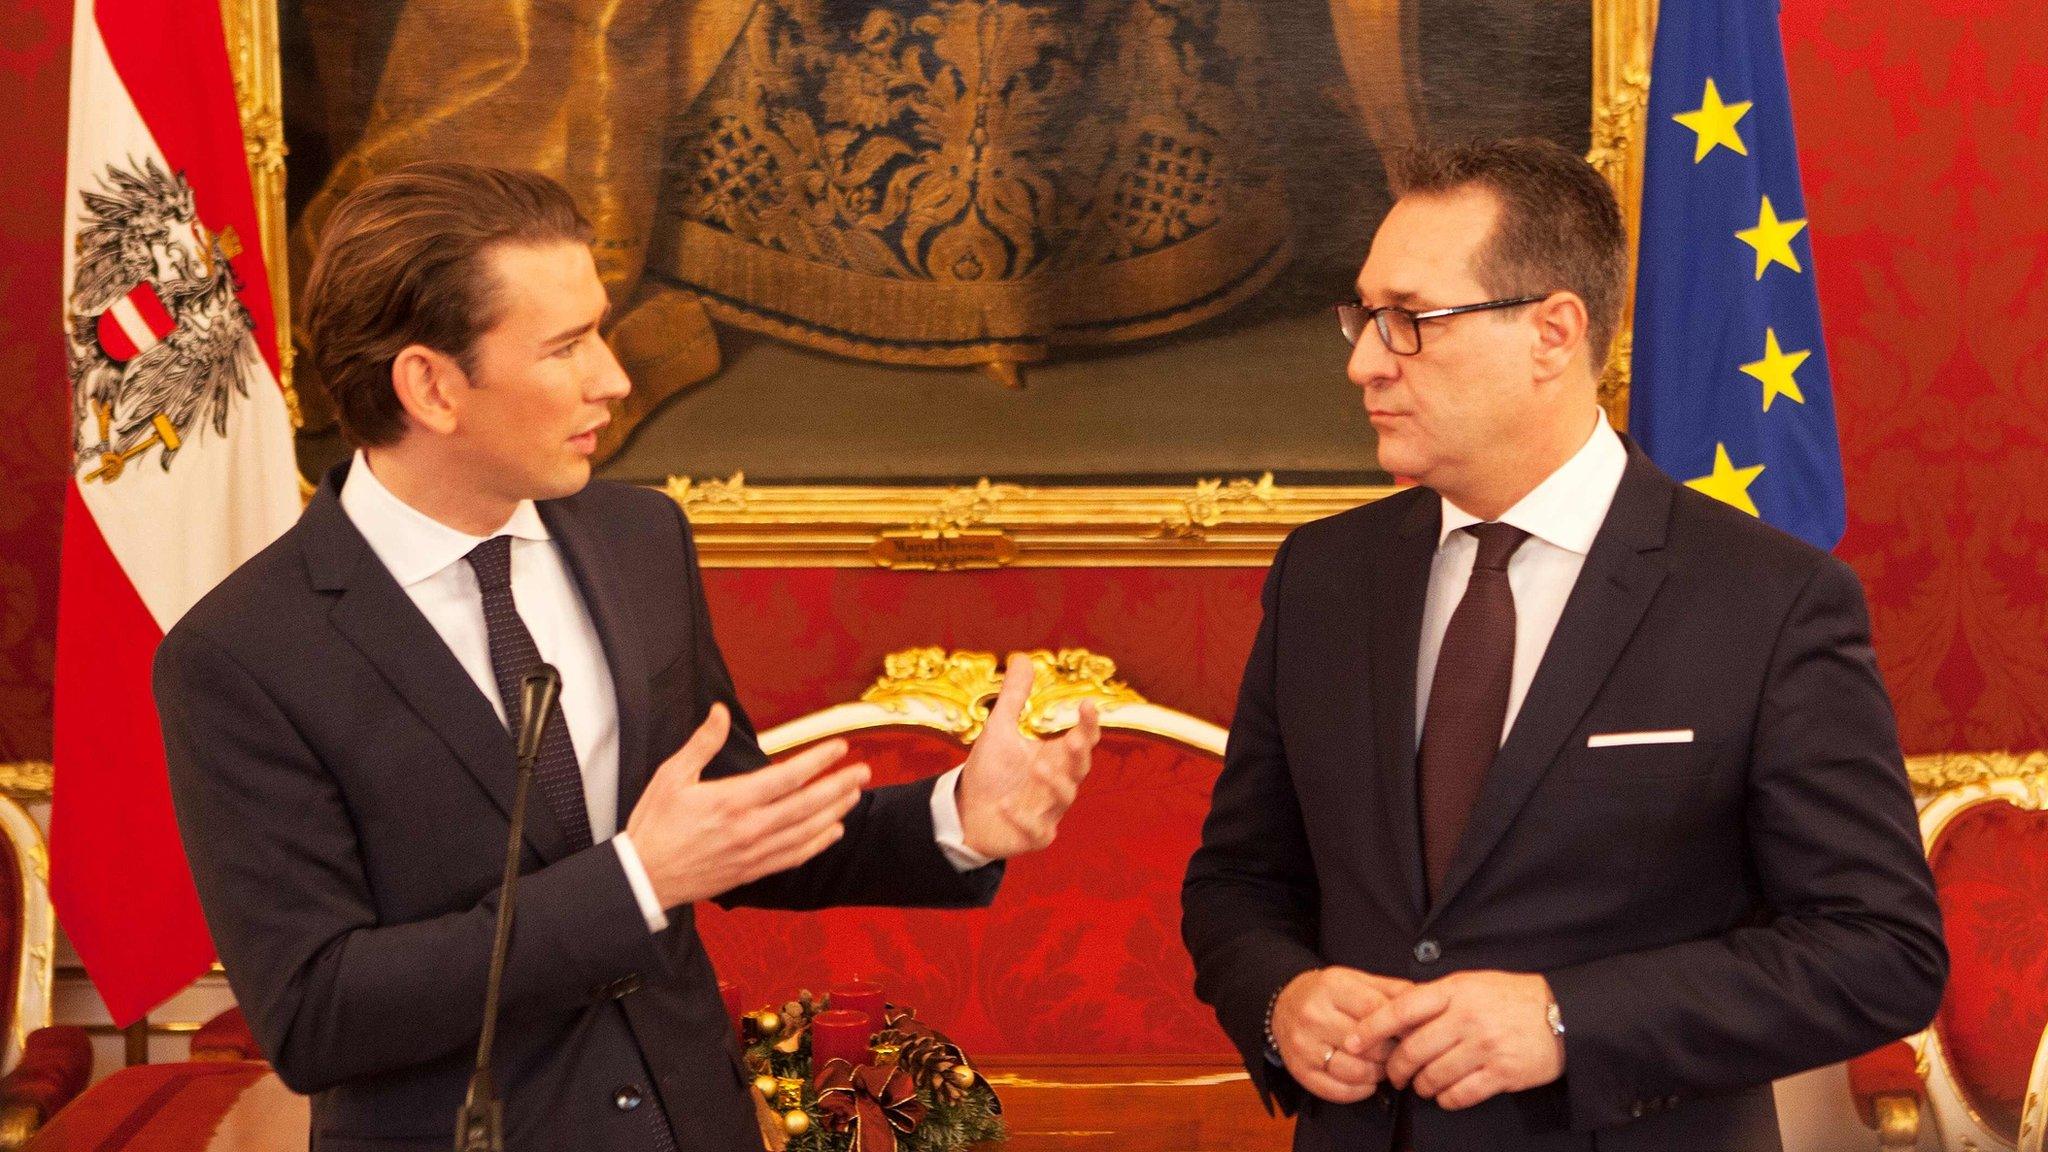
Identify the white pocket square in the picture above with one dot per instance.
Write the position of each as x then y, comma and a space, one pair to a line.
1624, 739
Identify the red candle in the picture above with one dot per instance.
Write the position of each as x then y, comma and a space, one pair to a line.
734, 1006
841, 1035
860, 996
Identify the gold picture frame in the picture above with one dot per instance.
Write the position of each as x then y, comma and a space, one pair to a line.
1220, 522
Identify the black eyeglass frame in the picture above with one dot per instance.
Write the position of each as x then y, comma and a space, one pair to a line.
1377, 318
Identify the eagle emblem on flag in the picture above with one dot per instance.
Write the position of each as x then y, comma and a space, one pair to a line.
159, 338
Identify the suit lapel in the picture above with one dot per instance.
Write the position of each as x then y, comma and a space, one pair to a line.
1400, 582
375, 615
596, 571
1619, 579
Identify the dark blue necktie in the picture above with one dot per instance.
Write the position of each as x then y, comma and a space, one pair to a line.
513, 655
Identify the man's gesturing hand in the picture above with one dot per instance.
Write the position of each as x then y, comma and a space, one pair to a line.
698, 838
1014, 789
1311, 1019
1466, 1038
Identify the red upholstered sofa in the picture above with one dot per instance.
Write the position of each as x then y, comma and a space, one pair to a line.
1978, 1077
1073, 993
45, 1067
1081, 953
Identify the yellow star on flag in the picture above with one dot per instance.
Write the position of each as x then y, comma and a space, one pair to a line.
1714, 123
1775, 370
1772, 239
1727, 483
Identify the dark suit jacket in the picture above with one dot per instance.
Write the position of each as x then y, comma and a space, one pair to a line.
343, 791
1710, 915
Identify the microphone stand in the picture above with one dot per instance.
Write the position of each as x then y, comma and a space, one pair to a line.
480, 1126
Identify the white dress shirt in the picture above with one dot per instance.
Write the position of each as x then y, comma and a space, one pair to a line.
426, 557
1562, 515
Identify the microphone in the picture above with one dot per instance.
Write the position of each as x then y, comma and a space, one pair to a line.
537, 696
480, 1126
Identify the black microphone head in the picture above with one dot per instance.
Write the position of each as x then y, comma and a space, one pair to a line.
537, 694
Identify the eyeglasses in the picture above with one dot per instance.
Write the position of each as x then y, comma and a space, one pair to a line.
1401, 330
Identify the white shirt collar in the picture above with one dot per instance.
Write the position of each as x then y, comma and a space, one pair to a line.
412, 544
1568, 507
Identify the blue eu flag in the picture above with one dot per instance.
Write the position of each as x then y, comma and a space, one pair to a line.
1730, 381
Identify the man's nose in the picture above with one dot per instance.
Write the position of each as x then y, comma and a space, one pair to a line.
1371, 364
610, 381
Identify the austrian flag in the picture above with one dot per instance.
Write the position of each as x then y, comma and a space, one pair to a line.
182, 459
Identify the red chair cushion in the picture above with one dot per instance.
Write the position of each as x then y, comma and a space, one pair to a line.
56, 1065
1081, 952
1991, 869
225, 1037
150, 1108
1889, 1071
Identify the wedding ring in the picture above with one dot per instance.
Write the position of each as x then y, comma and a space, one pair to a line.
1329, 1054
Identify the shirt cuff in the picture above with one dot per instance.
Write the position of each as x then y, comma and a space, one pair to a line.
643, 887
946, 830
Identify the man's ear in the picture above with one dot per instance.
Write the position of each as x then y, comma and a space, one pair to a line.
1560, 333
429, 385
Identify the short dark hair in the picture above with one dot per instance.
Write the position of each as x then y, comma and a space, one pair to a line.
1559, 228
401, 262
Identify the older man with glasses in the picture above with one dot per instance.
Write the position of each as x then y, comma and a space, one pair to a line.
1563, 807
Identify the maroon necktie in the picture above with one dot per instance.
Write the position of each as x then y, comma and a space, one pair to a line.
513, 655
1468, 699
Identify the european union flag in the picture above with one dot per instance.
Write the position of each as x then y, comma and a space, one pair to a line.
1730, 382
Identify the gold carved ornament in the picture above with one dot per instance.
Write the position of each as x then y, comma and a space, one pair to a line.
961, 686
26, 781
953, 692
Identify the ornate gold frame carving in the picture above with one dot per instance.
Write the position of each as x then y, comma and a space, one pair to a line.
1943, 771
986, 525
253, 58
1623, 35
1220, 522
26, 781
951, 692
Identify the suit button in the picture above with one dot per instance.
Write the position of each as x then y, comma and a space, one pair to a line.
1671, 1101
626, 1099
1428, 952
1636, 1109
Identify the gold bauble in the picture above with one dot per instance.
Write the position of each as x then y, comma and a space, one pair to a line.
765, 1085
770, 1023
961, 1075
796, 1122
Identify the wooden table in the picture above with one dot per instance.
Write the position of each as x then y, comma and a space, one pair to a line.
1148, 1104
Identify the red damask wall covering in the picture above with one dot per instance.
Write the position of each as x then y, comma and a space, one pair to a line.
1924, 131
35, 62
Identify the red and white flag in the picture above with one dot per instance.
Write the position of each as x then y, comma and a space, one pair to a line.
183, 460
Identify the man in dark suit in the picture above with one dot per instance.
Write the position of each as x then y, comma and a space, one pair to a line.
1564, 807
336, 716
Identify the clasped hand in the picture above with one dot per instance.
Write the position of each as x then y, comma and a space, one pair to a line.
1459, 1041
